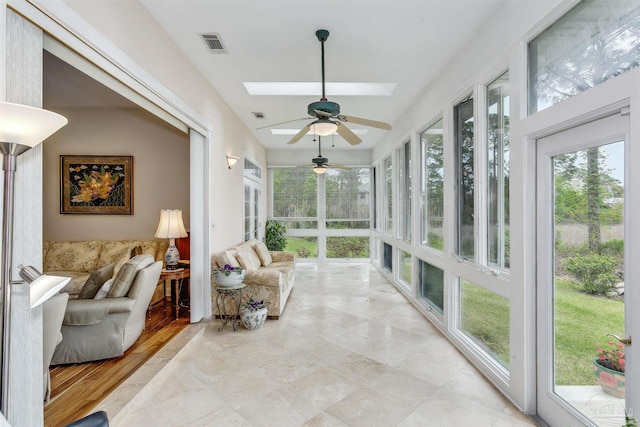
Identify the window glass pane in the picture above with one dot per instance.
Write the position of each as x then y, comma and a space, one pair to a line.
431, 285
387, 256
498, 171
464, 123
431, 186
303, 247
247, 212
299, 224
593, 42
484, 317
251, 168
348, 197
347, 247
406, 267
294, 193
388, 194
404, 154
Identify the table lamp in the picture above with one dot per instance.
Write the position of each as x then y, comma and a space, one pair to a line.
171, 227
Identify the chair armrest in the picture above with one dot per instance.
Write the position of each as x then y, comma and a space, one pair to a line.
281, 256
82, 312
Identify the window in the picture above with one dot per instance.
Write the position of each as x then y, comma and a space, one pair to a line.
388, 194
347, 198
432, 186
431, 285
252, 200
593, 42
387, 256
347, 247
295, 196
404, 170
406, 267
498, 172
464, 134
484, 317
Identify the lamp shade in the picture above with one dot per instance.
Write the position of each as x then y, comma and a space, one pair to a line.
25, 125
41, 286
323, 127
320, 170
171, 225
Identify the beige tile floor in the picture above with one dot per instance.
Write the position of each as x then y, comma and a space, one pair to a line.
349, 350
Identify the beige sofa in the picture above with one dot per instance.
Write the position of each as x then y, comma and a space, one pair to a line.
77, 259
269, 277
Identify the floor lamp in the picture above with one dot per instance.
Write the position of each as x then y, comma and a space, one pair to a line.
21, 128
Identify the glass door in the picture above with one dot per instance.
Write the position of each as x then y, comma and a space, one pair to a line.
584, 230
252, 229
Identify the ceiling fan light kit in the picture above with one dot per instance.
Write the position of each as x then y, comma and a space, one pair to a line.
327, 113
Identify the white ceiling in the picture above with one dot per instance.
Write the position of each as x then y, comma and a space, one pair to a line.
407, 42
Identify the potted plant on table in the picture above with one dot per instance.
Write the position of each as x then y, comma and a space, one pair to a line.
609, 366
228, 276
253, 314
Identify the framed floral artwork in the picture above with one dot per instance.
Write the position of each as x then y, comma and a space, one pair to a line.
96, 185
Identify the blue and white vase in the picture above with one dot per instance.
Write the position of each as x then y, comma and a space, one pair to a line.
253, 319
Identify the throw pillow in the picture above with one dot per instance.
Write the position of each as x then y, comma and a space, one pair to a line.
95, 281
124, 279
248, 259
137, 250
232, 258
104, 290
263, 253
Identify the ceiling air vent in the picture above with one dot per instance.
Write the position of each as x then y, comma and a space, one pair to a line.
214, 43
258, 114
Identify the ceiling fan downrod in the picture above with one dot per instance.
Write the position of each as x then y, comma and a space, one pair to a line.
322, 36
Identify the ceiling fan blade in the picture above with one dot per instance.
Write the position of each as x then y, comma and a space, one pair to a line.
351, 137
299, 135
322, 113
365, 122
282, 123
339, 167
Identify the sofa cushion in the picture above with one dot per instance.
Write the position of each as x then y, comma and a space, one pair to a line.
95, 281
105, 289
263, 253
124, 279
78, 279
248, 258
232, 258
115, 251
74, 256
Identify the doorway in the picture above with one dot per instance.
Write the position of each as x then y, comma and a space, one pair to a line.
582, 227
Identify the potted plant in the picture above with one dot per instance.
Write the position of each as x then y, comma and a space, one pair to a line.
253, 314
274, 236
228, 275
609, 366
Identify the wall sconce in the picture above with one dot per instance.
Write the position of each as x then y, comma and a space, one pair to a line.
21, 128
232, 160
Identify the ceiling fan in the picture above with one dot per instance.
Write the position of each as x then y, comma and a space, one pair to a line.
327, 113
320, 163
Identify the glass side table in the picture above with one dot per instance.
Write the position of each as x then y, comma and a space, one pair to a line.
228, 302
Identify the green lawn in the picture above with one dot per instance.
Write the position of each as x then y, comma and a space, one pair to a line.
300, 243
581, 321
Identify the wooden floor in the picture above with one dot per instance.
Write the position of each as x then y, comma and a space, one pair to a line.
77, 389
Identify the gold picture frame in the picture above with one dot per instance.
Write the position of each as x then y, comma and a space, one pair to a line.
100, 185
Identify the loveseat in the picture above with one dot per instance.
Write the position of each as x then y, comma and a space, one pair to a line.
77, 259
269, 277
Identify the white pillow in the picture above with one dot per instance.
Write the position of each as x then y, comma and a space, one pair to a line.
104, 290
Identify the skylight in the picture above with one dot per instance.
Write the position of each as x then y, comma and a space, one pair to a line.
315, 88
295, 131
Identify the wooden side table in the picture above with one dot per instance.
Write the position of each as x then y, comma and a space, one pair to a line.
175, 277
233, 293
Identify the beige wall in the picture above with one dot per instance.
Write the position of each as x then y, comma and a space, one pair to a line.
130, 27
160, 171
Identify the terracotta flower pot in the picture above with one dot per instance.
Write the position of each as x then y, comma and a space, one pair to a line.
612, 382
